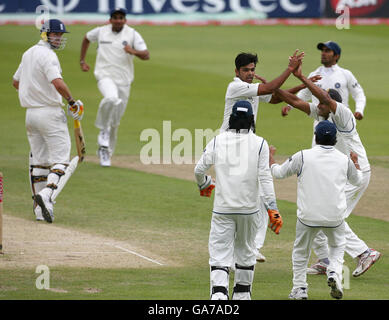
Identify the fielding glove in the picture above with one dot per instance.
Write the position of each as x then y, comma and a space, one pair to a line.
207, 187
76, 109
275, 220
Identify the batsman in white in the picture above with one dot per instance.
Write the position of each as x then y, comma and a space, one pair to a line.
243, 88
41, 88
241, 160
322, 174
330, 107
114, 71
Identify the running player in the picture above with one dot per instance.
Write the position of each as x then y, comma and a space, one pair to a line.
118, 44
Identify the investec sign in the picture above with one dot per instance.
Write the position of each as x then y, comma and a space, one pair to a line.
277, 8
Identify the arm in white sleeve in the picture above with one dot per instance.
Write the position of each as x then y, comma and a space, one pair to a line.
16, 76
93, 35
354, 175
357, 93
206, 161
265, 177
293, 165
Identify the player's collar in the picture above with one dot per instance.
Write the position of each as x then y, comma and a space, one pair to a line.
44, 43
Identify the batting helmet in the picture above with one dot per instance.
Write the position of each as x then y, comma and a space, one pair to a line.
57, 26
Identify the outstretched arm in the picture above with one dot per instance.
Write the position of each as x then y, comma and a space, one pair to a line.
275, 99
269, 87
293, 100
319, 93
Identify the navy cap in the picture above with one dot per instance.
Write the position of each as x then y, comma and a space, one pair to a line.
53, 25
244, 107
330, 45
118, 10
325, 131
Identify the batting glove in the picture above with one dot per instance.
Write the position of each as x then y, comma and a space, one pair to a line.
275, 220
207, 187
76, 109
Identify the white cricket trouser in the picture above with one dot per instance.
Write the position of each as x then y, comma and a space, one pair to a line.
263, 221
354, 245
302, 250
111, 108
48, 136
232, 240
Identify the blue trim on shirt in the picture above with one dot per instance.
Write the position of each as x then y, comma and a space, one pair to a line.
302, 164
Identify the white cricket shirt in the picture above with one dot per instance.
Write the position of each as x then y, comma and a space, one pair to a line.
112, 61
241, 163
347, 135
39, 66
239, 90
341, 80
322, 175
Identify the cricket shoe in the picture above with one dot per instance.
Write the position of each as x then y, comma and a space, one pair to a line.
104, 156
103, 138
38, 212
299, 294
318, 267
44, 202
260, 257
335, 285
365, 261
219, 296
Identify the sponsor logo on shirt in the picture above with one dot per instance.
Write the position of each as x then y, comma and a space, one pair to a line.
105, 42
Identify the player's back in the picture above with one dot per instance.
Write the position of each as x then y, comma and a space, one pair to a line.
321, 200
39, 67
236, 167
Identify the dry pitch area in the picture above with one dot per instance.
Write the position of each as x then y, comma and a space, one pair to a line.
82, 249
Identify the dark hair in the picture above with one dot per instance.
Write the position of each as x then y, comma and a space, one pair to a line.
335, 95
241, 121
326, 140
243, 59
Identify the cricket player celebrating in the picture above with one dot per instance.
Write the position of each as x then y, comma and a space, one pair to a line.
331, 108
243, 88
323, 173
114, 71
334, 77
41, 88
241, 161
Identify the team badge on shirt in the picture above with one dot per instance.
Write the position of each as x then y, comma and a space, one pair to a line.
337, 85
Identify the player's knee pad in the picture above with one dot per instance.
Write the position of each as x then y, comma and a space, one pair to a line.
219, 277
38, 178
56, 172
244, 276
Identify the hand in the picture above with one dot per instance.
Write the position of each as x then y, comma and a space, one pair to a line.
76, 110
275, 220
84, 66
272, 150
354, 159
315, 78
295, 60
358, 115
285, 110
298, 71
207, 187
127, 48
263, 80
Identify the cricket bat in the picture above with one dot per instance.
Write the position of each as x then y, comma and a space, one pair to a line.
80, 140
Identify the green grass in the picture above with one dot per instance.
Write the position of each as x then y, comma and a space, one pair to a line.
185, 82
